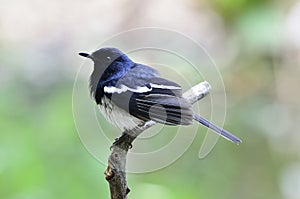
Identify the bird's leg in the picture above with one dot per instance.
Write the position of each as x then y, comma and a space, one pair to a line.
122, 139
125, 140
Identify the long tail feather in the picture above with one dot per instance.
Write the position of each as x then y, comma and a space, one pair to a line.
225, 134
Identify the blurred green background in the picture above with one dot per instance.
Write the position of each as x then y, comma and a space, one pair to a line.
255, 43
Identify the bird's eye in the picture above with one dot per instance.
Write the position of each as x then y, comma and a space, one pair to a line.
108, 58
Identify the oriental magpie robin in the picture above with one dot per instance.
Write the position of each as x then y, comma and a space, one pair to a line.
130, 94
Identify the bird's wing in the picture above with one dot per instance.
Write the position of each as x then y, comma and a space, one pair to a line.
145, 95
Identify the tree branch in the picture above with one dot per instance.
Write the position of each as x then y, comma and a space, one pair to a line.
115, 173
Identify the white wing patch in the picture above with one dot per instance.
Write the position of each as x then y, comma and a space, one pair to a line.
164, 86
139, 89
123, 88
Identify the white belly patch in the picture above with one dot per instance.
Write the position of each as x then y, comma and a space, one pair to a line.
117, 116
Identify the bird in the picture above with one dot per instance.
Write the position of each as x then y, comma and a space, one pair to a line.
130, 94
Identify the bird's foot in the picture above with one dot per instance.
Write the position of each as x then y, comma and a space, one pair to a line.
122, 139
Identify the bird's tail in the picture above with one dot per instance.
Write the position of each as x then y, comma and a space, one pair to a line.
225, 134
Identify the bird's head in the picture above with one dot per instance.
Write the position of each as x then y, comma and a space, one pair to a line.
108, 63
105, 56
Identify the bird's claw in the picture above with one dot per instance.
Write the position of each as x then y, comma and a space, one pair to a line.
119, 140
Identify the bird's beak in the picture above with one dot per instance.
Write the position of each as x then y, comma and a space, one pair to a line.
85, 55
